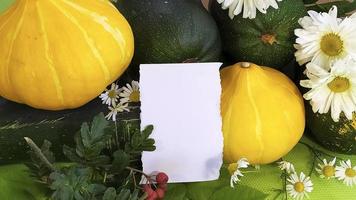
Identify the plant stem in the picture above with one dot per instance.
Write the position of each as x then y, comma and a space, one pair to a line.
313, 165
318, 152
134, 180
39, 153
140, 172
105, 177
116, 137
285, 184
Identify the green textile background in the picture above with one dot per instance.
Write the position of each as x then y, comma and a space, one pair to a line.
4, 4
15, 183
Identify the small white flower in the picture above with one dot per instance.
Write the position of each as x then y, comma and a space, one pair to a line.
248, 7
298, 187
235, 178
325, 38
130, 93
284, 165
114, 110
346, 173
335, 90
111, 96
242, 163
353, 16
327, 169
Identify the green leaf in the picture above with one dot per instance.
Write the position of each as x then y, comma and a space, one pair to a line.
85, 135
124, 194
203, 190
99, 161
147, 131
46, 150
90, 143
71, 154
134, 195
110, 194
74, 183
99, 125
176, 192
96, 188
121, 161
37, 168
240, 193
136, 140
344, 7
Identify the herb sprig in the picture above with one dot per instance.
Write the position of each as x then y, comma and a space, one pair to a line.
105, 162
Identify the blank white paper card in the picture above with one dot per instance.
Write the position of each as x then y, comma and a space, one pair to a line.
182, 102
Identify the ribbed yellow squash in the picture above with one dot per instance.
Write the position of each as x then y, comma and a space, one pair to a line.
60, 54
262, 113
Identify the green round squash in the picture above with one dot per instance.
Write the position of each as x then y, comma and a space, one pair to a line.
266, 40
171, 31
336, 136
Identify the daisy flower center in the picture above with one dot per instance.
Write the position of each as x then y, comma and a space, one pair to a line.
339, 84
269, 39
329, 171
350, 172
299, 187
332, 45
112, 94
135, 96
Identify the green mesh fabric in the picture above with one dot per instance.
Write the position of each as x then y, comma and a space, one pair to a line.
301, 156
4, 4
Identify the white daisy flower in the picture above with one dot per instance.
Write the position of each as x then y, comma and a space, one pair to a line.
298, 187
327, 169
284, 165
235, 178
242, 163
114, 110
346, 173
325, 38
130, 93
335, 90
111, 96
353, 16
248, 7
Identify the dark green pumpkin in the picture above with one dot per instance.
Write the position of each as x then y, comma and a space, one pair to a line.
19, 121
266, 40
336, 136
171, 31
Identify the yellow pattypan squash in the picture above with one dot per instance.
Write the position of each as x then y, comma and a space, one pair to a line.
262, 112
60, 54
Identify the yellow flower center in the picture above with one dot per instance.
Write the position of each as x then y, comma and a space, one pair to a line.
135, 96
329, 171
339, 84
299, 187
112, 94
332, 45
350, 172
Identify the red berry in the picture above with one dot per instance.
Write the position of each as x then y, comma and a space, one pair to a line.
160, 193
148, 190
163, 186
153, 196
161, 178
